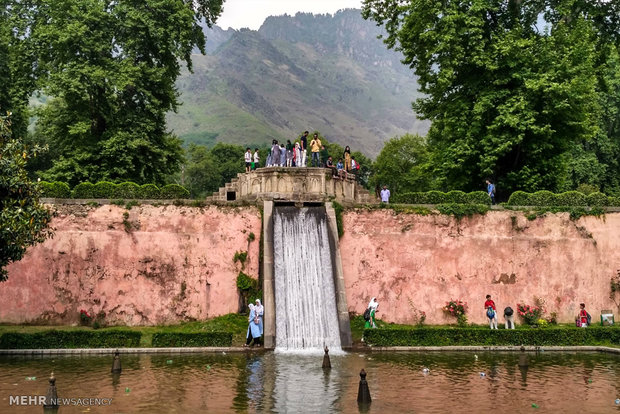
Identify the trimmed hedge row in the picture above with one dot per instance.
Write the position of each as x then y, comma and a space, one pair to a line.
184, 339
471, 336
438, 197
569, 198
105, 189
70, 339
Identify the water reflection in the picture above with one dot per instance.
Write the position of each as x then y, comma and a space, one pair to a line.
281, 383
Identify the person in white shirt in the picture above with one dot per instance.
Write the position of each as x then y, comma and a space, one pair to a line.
385, 195
256, 159
248, 160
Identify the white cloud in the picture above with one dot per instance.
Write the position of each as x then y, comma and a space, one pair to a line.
252, 13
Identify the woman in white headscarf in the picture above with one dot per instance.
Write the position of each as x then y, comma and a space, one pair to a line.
260, 310
253, 328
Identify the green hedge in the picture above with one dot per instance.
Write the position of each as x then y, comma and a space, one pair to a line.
55, 189
437, 197
569, 198
70, 339
475, 336
184, 339
109, 190
173, 191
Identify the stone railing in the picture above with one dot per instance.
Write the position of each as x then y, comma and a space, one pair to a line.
293, 184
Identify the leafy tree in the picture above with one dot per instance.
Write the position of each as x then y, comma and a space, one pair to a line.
506, 100
403, 165
23, 220
111, 68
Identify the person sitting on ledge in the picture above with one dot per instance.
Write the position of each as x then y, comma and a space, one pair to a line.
340, 168
330, 164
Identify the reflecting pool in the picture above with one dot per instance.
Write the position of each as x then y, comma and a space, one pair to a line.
546, 382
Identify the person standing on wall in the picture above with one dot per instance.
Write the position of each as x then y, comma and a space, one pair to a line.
315, 147
248, 160
256, 159
491, 310
491, 190
303, 145
289, 153
346, 155
385, 195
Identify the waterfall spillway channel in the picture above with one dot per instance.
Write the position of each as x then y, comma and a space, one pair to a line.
306, 313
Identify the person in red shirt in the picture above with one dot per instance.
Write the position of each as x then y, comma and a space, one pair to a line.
583, 315
491, 311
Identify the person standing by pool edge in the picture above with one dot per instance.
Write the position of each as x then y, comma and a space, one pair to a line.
491, 311
373, 305
260, 311
253, 328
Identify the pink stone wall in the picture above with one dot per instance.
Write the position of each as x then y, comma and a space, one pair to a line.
419, 262
157, 265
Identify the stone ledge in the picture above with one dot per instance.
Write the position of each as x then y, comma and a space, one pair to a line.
111, 351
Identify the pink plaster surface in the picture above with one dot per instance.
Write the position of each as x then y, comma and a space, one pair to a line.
412, 261
172, 264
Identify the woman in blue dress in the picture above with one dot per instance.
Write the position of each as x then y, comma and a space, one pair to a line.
253, 328
260, 310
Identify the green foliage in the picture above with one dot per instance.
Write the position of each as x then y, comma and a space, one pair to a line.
519, 198
552, 336
149, 192
251, 237
543, 198
23, 220
614, 201
505, 98
597, 200
478, 197
240, 257
198, 339
83, 190
403, 165
462, 210
437, 197
104, 189
571, 198
55, 189
127, 190
173, 191
245, 282
112, 84
339, 209
70, 339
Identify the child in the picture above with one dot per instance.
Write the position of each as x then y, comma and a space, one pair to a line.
489, 305
256, 159
583, 315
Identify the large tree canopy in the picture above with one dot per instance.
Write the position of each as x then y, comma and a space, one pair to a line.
511, 87
110, 68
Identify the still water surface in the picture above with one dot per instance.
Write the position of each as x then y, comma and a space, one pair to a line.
220, 383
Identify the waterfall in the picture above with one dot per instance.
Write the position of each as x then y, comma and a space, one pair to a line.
306, 315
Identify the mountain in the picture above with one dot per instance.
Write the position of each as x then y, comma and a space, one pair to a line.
317, 72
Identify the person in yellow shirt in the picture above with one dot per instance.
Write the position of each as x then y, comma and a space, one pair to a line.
315, 147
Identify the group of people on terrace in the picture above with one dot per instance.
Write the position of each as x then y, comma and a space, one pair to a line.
295, 154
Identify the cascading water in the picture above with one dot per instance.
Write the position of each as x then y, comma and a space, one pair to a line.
306, 315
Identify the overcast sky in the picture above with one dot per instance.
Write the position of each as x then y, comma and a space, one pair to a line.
252, 13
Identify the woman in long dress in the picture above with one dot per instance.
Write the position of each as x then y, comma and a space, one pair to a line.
260, 310
253, 328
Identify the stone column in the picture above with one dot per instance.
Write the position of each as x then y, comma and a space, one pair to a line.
268, 281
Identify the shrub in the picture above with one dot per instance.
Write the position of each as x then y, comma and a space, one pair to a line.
614, 201
529, 314
184, 339
457, 197
104, 189
127, 190
597, 200
411, 198
458, 309
571, 198
436, 197
83, 190
338, 210
70, 339
56, 189
587, 189
519, 198
427, 336
149, 192
543, 198
174, 191
478, 197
